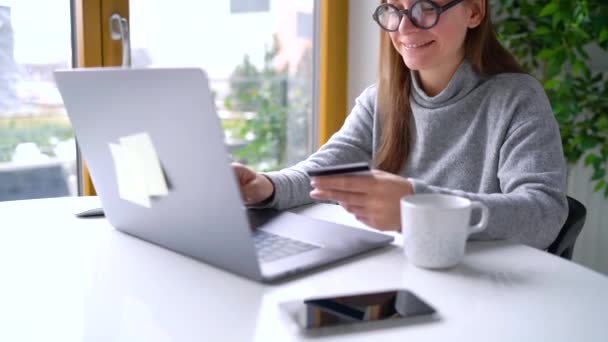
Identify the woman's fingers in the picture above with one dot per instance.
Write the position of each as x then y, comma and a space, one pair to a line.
243, 173
353, 209
373, 199
358, 212
349, 198
352, 183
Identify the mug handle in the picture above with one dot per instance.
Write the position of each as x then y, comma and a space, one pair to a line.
483, 222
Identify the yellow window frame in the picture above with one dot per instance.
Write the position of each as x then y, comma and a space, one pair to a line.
95, 48
333, 67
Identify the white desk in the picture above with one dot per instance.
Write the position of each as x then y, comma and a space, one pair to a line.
68, 279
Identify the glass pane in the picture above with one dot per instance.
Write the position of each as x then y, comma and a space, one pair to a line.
259, 58
37, 149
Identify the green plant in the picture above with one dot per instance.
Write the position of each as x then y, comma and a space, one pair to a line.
263, 92
42, 132
551, 39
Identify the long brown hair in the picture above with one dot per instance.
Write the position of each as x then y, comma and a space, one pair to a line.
483, 50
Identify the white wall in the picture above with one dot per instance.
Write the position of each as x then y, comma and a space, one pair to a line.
592, 246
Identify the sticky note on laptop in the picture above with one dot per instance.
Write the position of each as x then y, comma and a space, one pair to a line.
138, 171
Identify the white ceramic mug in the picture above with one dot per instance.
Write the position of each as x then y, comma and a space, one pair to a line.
436, 227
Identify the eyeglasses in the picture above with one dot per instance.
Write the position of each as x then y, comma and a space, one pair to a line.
423, 14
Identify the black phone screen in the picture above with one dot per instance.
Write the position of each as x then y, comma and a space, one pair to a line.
359, 308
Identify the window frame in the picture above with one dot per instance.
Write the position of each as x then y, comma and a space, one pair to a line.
333, 55
93, 48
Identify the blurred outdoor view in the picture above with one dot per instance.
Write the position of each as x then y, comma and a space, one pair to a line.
258, 55
259, 58
37, 149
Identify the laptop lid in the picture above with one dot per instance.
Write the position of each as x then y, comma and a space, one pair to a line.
175, 109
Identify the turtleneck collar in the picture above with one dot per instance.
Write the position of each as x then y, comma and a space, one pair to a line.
464, 80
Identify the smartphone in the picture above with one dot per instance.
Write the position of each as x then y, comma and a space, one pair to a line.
352, 168
391, 305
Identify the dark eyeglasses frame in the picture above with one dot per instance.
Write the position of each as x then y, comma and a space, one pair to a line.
405, 13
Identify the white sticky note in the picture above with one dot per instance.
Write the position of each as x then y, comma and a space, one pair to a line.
142, 150
138, 170
131, 186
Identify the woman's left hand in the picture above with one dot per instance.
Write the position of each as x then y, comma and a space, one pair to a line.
373, 199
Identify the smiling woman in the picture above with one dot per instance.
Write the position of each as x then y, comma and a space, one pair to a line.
452, 113
471, 37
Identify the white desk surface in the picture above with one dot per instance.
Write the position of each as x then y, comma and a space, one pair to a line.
68, 279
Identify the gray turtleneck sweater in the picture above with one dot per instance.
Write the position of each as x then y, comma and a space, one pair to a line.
492, 140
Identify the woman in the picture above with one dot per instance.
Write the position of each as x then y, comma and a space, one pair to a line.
452, 113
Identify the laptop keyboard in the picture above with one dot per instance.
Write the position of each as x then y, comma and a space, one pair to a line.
271, 247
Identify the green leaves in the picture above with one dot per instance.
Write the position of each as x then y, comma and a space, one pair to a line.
598, 174
602, 123
263, 95
549, 38
543, 30
603, 35
599, 185
549, 9
40, 131
551, 84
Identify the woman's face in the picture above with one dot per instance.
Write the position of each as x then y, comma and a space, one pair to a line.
441, 45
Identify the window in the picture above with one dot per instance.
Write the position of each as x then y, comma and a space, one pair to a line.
259, 56
37, 149
258, 53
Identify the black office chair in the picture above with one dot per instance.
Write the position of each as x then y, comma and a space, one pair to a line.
564, 244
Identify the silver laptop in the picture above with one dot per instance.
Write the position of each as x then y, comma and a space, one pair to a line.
202, 215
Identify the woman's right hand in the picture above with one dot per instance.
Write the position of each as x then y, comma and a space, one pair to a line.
255, 188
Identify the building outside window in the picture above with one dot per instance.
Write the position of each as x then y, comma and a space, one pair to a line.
37, 148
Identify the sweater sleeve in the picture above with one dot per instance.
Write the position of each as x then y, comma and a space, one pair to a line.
352, 143
532, 206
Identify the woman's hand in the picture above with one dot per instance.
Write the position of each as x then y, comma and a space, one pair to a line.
373, 199
255, 188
